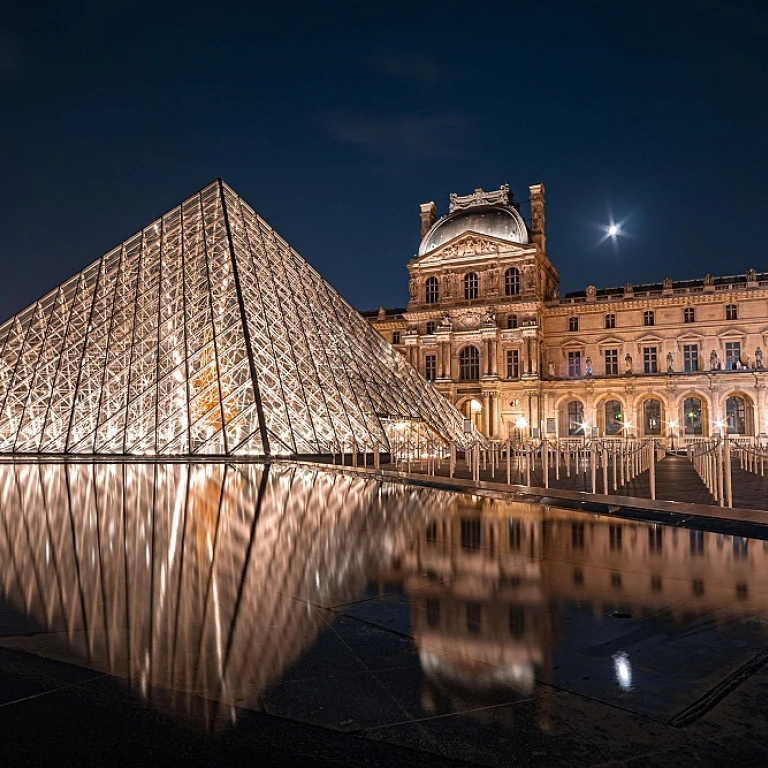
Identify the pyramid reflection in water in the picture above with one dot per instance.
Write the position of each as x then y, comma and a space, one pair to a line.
205, 333
193, 582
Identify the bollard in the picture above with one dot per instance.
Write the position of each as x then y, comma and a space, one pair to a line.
545, 462
509, 462
727, 472
593, 467
652, 470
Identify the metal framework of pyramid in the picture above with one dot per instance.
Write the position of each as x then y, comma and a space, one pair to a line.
205, 333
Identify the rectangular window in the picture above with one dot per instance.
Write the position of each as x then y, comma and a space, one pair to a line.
611, 362
513, 363
650, 362
574, 364
730, 312
395, 337
573, 323
610, 320
689, 315
429, 329
691, 358
648, 317
430, 367
732, 355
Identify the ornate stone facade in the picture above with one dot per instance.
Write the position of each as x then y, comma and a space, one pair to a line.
674, 359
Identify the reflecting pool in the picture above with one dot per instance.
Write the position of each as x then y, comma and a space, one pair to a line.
454, 624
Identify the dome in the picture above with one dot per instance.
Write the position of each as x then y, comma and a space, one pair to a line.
502, 223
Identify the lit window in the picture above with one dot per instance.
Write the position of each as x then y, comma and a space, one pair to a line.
614, 420
731, 312
575, 418
648, 317
573, 323
512, 282
611, 362
574, 364
690, 358
736, 415
650, 362
689, 315
610, 320
469, 364
395, 337
732, 355
431, 290
692, 409
471, 286
430, 367
513, 364
652, 417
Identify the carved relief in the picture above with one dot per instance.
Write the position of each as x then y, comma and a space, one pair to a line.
470, 319
478, 197
471, 245
591, 293
708, 279
751, 275
492, 281
667, 283
413, 287
447, 286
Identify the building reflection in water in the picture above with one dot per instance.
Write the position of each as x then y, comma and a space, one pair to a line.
196, 583
198, 580
490, 582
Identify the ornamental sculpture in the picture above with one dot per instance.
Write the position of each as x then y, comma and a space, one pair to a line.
477, 198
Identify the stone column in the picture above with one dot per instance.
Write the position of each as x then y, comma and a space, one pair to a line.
439, 360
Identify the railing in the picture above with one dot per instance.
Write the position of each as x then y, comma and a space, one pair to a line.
711, 458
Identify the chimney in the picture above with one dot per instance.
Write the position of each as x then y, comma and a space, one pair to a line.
427, 217
537, 216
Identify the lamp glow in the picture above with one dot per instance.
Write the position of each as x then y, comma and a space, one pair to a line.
623, 670
613, 230
521, 422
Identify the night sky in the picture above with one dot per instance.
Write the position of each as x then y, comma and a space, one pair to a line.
335, 122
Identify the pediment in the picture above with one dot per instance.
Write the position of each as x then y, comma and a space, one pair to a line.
609, 340
650, 338
735, 332
470, 244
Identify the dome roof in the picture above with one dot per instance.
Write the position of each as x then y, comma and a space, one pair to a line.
500, 222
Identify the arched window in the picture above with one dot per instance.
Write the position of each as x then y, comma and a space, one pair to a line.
692, 409
512, 282
575, 418
652, 417
469, 364
511, 321
431, 290
736, 415
471, 285
614, 418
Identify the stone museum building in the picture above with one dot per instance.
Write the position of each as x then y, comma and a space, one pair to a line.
486, 323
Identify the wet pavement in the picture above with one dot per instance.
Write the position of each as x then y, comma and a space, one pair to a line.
218, 613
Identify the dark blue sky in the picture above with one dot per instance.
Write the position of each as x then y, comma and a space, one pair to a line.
335, 122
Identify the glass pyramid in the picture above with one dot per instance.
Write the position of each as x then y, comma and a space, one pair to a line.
205, 333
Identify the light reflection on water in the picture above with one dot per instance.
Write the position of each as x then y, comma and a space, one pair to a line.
203, 581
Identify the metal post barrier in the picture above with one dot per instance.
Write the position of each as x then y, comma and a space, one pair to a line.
593, 463
545, 462
652, 469
727, 472
509, 462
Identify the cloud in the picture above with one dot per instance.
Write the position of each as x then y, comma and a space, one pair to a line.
416, 67
407, 136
